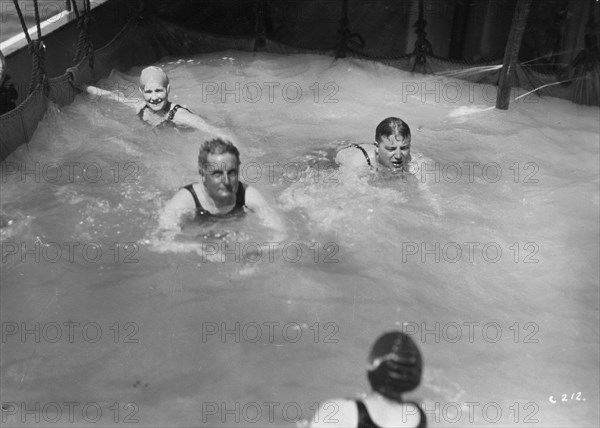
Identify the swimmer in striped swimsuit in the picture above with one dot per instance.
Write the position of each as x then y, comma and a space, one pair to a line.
391, 149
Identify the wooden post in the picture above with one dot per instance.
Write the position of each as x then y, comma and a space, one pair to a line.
343, 32
511, 54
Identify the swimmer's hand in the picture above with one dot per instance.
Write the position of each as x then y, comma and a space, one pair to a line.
94, 93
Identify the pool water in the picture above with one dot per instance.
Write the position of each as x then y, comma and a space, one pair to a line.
487, 253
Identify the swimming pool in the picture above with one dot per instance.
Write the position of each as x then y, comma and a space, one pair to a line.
487, 254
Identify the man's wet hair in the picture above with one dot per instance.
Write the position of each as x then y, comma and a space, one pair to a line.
216, 146
392, 126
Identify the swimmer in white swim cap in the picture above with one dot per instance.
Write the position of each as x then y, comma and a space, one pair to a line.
155, 108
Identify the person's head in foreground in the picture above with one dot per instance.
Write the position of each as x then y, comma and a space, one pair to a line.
154, 87
392, 139
218, 164
395, 365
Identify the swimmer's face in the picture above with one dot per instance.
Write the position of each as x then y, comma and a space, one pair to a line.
155, 95
221, 178
394, 153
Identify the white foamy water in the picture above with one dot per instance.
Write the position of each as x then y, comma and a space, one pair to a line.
487, 254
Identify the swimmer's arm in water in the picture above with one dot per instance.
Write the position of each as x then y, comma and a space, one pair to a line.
174, 211
94, 93
256, 203
192, 120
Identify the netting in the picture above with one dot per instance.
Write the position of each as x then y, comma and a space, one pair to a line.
329, 28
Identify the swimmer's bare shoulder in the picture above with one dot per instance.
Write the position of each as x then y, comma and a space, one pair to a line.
353, 156
339, 412
181, 205
344, 413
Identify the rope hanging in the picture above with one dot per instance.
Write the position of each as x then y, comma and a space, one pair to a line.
260, 31
589, 57
422, 45
585, 67
37, 49
84, 43
37, 19
22, 20
75, 8
346, 37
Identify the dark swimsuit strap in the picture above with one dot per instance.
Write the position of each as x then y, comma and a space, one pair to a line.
190, 188
141, 112
240, 199
240, 196
364, 153
365, 421
171, 112
174, 110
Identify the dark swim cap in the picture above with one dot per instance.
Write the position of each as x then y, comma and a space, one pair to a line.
395, 365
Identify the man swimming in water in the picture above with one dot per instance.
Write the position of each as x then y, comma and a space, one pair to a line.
395, 367
390, 151
156, 109
220, 194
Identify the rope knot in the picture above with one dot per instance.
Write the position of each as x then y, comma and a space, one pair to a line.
347, 38
37, 51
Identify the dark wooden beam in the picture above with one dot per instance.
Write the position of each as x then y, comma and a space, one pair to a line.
511, 54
